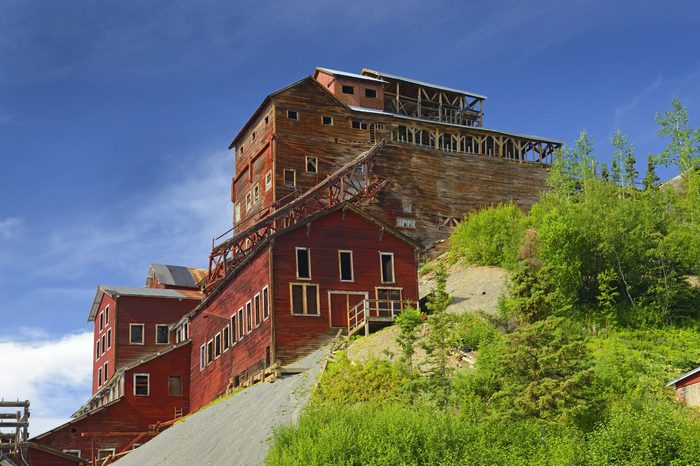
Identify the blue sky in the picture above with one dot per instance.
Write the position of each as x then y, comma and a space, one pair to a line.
115, 118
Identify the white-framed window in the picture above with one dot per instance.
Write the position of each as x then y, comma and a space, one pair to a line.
97, 350
99, 377
345, 266
249, 316
237, 212
256, 309
106, 371
402, 222
292, 114
210, 351
290, 178
142, 384
202, 357
256, 193
234, 331
303, 258
107, 314
311, 164
268, 181
109, 338
174, 385
348, 89
370, 93
326, 120
136, 334
104, 344
304, 298
103, 453
407, 207
162, 334
75, 453
217, 345
226, 338
356, 124
102, 320
388, 299
241, 324
386, 265
266, 302
186, 329
248, 201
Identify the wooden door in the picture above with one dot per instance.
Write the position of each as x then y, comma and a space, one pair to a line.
340, 302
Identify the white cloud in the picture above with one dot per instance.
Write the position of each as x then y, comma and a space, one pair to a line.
10, 226
54, 375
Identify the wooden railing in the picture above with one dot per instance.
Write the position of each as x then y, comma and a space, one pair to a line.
381, 309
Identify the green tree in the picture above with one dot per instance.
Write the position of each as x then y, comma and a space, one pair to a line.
683, 149
604, 173
408, 322
650, 179
623, 157
438, 342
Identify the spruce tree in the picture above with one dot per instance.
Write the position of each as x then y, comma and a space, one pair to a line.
650, 179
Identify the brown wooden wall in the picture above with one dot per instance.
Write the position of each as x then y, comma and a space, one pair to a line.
294, 334
130, 413
246, 353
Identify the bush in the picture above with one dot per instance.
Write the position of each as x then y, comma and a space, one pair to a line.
491, 236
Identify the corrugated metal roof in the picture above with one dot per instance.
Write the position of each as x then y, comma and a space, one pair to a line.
350, 75
145, 292
175, 275
424, 84
684, 376
406, 117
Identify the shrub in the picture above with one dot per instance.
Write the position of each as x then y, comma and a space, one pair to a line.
491, 236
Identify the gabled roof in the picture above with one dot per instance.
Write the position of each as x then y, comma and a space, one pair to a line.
116, 291
176, 275
350, 75
683, 377
262, 244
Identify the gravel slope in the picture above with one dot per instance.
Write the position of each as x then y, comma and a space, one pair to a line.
235, 431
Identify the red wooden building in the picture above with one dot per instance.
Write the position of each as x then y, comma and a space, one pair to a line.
687, 387
294, 291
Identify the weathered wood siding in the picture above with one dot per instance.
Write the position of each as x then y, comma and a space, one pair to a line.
245, 353
688, 390
130, 413
107, 356
295, 335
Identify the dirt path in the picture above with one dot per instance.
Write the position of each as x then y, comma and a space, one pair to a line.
235, 431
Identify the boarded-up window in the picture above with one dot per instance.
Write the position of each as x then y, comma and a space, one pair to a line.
290, 178
174, 385
304, 297
346, 272
387, 266
141, 385
303, 263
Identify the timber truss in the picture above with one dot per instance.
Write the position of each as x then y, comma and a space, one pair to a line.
351, 183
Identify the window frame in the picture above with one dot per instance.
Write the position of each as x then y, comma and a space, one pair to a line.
257, 310
112, 450
217, 346
143, 334
72, 451
305, 306
226, 338
347, 89
294, 178
99, 376
293, 115
210, 354
97, 350
381, 267
369, 90
109, 338
104, 343
315, 163
148, 384
340, 266
266, 302
168, 334
296, 261
237, 212
249, 316
248, 201
233, 320
241, 324
268, 180
256, 192
202, 356
106, 315
102, 321
105, 368
323, 120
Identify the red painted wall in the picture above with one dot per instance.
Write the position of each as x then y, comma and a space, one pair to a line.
108, 355
41, 458
130, 413
208, 384
326, 236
